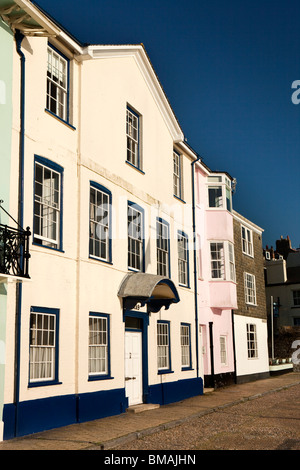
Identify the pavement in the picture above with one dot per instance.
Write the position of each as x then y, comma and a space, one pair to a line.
140, 421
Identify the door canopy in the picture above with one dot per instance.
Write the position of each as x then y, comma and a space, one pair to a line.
147, 289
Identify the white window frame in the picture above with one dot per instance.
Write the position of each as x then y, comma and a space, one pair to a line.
247, 241
231, 260
163, 248
99, 223
223, 350
135, 238
222, 184
222, 262
49, 204
57, 84
296, 298
163, 346
250, 289
98, 345
177, 175
185, 343
133, 137
217, 260
183, 259
42, 349
252, 347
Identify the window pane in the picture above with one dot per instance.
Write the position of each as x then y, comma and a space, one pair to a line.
57, 79
42, 346
162, 248
185, 345
215, 196
132, 132
162, 345
99, 224
135, 241
46, 206
98, 345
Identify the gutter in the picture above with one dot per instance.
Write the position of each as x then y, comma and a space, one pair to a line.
195, 262
19, 37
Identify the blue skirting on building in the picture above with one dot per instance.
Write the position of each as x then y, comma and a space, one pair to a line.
39, 415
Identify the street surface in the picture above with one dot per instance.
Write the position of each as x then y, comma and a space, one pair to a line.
271, 422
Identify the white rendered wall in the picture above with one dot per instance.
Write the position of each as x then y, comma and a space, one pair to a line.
245, 365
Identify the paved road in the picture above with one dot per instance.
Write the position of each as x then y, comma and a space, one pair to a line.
271, 422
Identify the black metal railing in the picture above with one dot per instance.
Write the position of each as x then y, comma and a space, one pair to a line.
14, 251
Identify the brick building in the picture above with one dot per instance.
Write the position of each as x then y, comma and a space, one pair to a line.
250, 318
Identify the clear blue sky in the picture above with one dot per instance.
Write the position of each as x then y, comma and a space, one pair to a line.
227, 68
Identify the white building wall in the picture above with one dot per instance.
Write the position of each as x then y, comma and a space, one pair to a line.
246, 366
93, 148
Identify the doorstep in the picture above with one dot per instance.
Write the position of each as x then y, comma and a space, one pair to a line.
142, 407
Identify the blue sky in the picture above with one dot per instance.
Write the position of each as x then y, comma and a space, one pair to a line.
227, 68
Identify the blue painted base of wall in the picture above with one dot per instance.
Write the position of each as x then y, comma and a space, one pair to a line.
49, 413
170, 392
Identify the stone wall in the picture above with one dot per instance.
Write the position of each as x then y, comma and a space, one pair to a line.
283, 341
252, 265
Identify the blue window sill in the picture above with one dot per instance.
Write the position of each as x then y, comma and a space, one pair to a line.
43, 384
60, 119
179, 199
136, 270
135, 167
100, 260
184, 285
93, 378
48, 247
187, 368
160, 372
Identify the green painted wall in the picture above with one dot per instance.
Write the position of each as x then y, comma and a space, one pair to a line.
6, 73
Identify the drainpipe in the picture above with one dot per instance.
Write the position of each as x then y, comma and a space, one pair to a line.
211, 342
195, 263
19, 37
233, 342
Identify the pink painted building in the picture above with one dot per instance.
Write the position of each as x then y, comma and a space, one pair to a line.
217, 296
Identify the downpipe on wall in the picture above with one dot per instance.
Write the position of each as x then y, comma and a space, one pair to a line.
19, 38
195, 262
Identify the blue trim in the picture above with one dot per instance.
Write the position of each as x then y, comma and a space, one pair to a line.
60, 119
162, 221
53, 412
171, 392
169, 370
55, 381
179, 199
142, 212
101, 404
183, 234
59, 169
135, 167
138, 116
67, 121
144, 317
190, 348
99, 187
108, 374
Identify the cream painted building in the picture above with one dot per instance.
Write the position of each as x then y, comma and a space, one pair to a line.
107, 318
